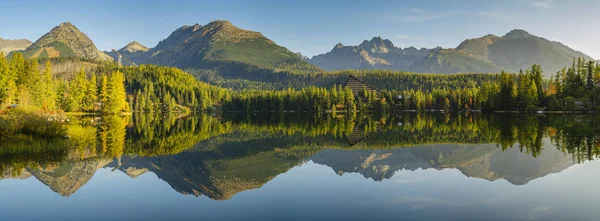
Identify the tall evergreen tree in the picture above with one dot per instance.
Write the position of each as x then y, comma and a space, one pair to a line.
49, 93
4, 81
117, 97
590, 75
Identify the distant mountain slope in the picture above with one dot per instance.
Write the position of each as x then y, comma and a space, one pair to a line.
65, 40
218, 44
512, 52
453, 61
377, 53
7, 45
133, 51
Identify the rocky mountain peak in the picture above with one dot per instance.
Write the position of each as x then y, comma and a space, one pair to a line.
66, 40
134, 46
220, 23
221, 30
517, 34
377, 45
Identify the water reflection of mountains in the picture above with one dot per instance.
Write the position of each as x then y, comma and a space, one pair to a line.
219, 157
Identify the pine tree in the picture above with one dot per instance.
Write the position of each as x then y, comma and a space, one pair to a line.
4, 81
62, 99
17, 65
117, 97
590, 75
103, 91
91, 96
77, 92
48, 88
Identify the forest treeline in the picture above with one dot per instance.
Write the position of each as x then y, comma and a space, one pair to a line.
383, 79
25, 85
149, 88
105, 88
573, 89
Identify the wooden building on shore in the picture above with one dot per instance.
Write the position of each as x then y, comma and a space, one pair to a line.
357, 86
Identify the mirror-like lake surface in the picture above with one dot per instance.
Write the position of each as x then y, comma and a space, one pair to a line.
292, 167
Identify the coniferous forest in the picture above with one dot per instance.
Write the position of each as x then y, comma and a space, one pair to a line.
150, 88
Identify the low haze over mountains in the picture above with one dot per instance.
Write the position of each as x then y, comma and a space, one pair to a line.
223, 48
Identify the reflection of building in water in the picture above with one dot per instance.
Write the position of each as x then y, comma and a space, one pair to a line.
359, 134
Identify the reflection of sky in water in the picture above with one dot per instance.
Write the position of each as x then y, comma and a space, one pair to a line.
316, 192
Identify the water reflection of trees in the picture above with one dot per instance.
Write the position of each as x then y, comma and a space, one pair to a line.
156, 135
24, 151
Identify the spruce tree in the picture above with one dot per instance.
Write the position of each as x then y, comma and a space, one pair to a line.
103, 91
590, 75
4, 78
48, 94
117, 97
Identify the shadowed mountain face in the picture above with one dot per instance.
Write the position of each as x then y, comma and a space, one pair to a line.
479, 161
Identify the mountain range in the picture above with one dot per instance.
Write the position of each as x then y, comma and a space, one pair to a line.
7, 45
226, 50
377, 53
217, 45
512, 52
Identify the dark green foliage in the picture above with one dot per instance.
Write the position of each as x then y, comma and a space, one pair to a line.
384, 79
575, 88
163, 88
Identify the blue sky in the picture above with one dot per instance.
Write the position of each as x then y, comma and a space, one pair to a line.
312, 27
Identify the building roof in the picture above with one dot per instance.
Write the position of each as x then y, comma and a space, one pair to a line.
357, 85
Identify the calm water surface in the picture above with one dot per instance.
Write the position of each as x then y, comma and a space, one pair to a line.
403, 167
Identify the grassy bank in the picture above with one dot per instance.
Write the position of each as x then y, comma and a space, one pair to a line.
33, 123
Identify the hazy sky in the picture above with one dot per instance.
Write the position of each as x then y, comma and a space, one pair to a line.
312, 27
